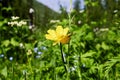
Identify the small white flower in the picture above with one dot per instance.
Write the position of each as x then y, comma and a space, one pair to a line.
73, 68
96, 29
30, 27
83, 65
79, 22
1, 55
15, 17
15, 22
12, 23
21, 45
38, 56
9, 23
39, 53
115, 11
19, 24
24, 23
31, 10
54, 21
35, 49
81, 11
11, 58
104, 29
24, 72
29, 52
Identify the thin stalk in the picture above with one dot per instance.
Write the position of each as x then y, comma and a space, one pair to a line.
64, 62
12, 71
34, 75
63, 58
69, 14
54, 67
25, 76
68, 59
79, 64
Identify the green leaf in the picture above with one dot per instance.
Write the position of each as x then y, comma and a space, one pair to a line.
104, 46
1, 24
0, 51
118, 40
88, 54
98, 46
89, 36
28, 46
4, 72
14, 42
111, 35
5, 43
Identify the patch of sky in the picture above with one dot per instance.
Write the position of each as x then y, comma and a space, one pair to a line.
55, 4
103, 2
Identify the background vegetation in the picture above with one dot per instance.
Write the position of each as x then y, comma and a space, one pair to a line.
92, 53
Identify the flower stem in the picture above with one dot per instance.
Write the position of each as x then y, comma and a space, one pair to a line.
79, 64
63, 58
68, 74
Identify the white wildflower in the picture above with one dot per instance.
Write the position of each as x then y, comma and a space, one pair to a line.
81, 11
15, 17
79, 22
21, 45
31, 10
54, 21
115, 11
104, 29
30, 27
9, 23
29, 52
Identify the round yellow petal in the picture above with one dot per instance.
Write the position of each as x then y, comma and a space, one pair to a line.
65, 31
59, 30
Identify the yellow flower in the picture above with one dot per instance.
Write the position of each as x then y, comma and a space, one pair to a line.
59, 35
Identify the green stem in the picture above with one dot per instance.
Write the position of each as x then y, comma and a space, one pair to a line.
25, 76
34, 75
63, 58
69, 14
12, 71
68, 61
80, 64
64, 62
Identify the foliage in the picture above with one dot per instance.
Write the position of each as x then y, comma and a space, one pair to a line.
91, 54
